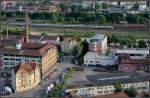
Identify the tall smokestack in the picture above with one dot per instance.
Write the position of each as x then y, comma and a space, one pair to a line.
7, 32
26, 27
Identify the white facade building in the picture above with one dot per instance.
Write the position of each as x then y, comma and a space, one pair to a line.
134, 53
102, 90
92, 58
104, 84
68, 44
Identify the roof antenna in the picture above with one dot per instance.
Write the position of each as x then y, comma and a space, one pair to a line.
26, 26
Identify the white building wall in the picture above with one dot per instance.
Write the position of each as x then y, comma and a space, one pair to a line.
102, 90
103, 62
135, 54
104, 45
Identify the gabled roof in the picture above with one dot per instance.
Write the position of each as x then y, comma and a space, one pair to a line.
25, 68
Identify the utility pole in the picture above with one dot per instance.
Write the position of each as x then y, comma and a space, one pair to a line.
0, 24
149, 29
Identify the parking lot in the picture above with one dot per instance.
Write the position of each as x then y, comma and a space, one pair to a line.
80, 76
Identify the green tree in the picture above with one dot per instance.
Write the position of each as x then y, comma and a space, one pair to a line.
70, 20
54, 17
102, 19
61, 19
131, 41
142, 44
74, 8
85, 45
118, 87
79, 52
104, 5
123, 42
140, 19
44, 34
64, 6
131, 91
114, 39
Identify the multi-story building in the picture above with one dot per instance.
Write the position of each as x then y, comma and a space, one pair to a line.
133, 53
98, 43
42, 54
127, 64
92, 58
22, 50
68, 44
40, 8
9, 5
25, 77
103, 84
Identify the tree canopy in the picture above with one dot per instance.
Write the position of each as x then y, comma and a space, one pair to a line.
131, 91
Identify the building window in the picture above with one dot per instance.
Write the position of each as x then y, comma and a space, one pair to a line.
97, 62
38, 61
6, 63
6, 54
18, 56
100, 92
12, 63
12, 59
26, 60
111, 90
91, 89
12, 55
11, 68
32, 60
6, 68
18, 59
144, 87
6, 58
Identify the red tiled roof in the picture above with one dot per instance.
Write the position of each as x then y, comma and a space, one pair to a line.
24, 67
28, 49
32, 45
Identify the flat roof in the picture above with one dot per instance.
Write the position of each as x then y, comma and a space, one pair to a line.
133, 51
97, 38
93, 55
108, 79
112, 78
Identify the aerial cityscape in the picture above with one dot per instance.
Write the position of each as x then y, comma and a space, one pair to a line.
74, 48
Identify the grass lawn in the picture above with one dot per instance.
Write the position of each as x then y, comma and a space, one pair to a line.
137, 35
56, 31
